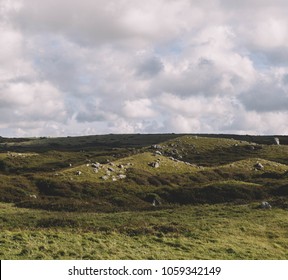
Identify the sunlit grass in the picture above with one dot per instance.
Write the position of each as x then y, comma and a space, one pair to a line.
188, 232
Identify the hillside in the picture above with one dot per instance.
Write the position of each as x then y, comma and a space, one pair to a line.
151, 196
131, 172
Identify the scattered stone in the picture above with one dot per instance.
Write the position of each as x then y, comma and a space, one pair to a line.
87, 164
70, 164
96, 165
121, 176
95, 170
111, 169
157, 147
33, 196
78, 172
105, 177
154, 164
121, 166
111, 163
114, 179
158, 153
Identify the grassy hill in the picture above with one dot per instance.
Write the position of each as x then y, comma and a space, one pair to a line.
47, 186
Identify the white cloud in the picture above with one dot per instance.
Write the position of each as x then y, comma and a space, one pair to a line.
138, 109
31, 102
96, 66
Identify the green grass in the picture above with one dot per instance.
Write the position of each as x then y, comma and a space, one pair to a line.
187, 232
207, 185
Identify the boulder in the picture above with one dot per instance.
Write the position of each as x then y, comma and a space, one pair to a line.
265, 205
259, 166
154, 164
276, 141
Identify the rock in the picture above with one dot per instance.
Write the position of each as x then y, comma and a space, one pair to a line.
121, 176
111, 169
158, 153
105, 177
78, 172
33, 196
265, 205
157, 147
156, 202
95, 170
121, 166
154, 164
277, 141
259, 166
96, 165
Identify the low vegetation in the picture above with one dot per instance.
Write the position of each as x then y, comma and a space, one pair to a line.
172, 196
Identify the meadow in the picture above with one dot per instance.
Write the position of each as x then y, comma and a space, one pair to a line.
139, 196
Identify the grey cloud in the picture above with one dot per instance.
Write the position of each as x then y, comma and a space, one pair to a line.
265, 98
150, 68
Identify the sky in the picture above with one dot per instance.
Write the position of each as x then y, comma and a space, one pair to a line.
71, 67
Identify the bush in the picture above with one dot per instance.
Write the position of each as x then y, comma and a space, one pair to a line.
217, 193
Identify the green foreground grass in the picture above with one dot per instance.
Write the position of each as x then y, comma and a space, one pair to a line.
221, 231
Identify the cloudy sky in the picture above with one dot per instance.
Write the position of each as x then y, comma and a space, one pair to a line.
78, 67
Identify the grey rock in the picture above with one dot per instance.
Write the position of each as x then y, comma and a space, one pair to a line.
277, 141
154, 164
259, 166
265, 205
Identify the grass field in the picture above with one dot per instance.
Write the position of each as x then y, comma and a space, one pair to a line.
93, 197
188, 232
